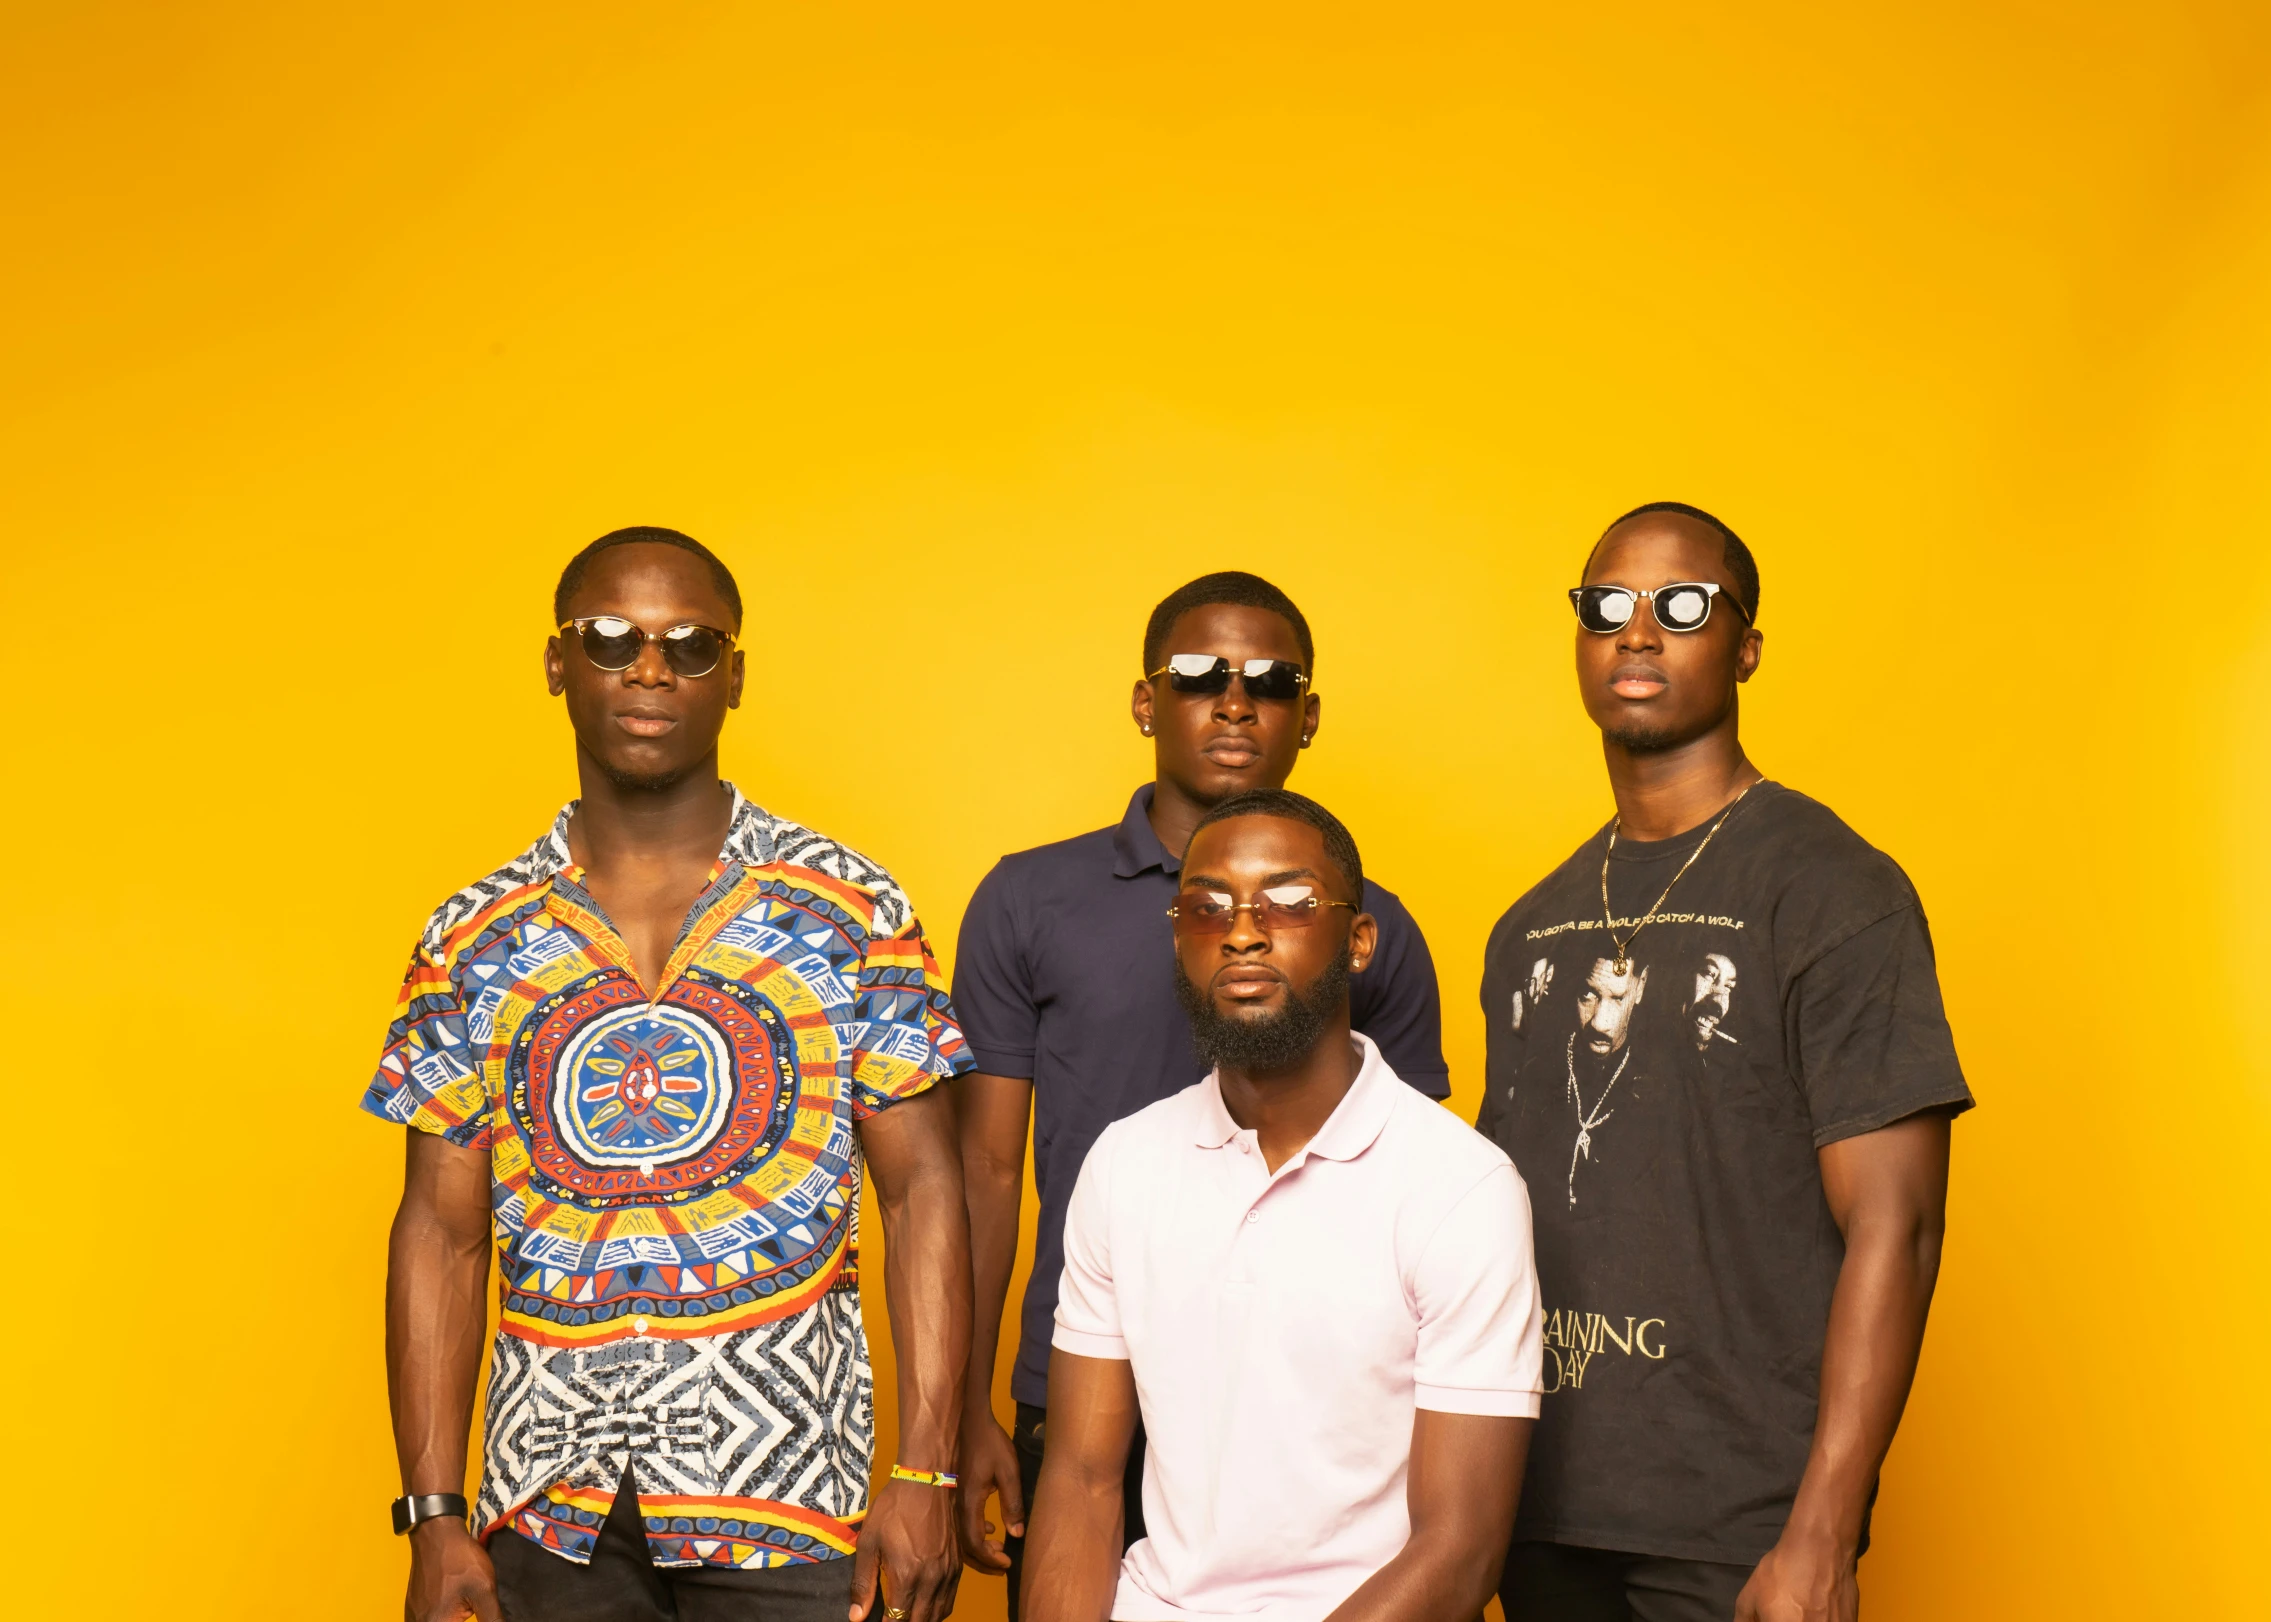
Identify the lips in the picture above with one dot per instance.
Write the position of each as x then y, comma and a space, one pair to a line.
644, 721
1232, 751
1246, 982
1637, 679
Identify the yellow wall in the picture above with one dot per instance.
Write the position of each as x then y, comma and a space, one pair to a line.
330, 331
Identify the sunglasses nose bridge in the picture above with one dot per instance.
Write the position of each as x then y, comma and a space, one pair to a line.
651, 668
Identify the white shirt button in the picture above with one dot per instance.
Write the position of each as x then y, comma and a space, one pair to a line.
639, 1325
1253, 1216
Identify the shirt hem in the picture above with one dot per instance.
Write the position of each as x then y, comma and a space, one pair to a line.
1435, 1084
1000, 1061
1955, 1102
1581, 1537
1489, 1404
1082, 1344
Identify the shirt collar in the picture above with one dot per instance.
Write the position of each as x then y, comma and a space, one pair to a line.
1135, 848
1356, 1121
749, 836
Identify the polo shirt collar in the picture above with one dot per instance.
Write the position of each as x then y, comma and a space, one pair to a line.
1353, 1126
1135, 848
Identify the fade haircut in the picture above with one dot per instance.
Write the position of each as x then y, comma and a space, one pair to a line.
1234, 587
1340, 845
572, 576
1733, 552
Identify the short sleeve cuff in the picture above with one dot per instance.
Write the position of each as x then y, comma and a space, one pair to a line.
1082, 1344
1435, 1084
1450, 1399
1953, 1099
1015, 1063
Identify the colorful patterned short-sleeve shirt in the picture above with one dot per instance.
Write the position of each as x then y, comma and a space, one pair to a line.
675, 1183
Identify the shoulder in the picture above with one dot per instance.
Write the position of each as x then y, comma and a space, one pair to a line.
1460, 1155
1820, 864
1157, 1131
758, 839
1049, 866
1388, 909
496, 899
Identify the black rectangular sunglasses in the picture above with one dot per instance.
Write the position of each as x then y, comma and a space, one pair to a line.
1210, 673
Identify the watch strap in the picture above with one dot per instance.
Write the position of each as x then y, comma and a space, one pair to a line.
428, 1506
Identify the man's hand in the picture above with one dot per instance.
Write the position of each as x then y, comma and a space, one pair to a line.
1804, 1578
450, 1575
988, 1469
909, 1537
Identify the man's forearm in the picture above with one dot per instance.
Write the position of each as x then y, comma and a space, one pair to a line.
994, 1210
436, 1319
926, 1272
1876, 1332
1432, 1577
992, 1117
1072, 1559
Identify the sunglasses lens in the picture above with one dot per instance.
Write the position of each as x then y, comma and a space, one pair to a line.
1682, 608
1198, 673
1604, 608
611, 643
1287, 906
1272, 679
1204, 912
693, 650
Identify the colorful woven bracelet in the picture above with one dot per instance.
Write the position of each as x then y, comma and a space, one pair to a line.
925, 1478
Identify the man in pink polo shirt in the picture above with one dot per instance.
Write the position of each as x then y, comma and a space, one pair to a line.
1312, 1283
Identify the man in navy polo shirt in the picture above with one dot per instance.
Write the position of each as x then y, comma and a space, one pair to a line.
1065, 986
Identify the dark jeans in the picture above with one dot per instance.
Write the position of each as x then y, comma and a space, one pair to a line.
1032, 1426
1556, 1582
622, 1585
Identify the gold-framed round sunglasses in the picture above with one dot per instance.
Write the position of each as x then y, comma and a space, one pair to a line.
613, 643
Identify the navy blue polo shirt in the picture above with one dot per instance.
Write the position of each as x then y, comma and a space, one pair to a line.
1065, 975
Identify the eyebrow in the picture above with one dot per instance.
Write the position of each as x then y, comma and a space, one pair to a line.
1268, 879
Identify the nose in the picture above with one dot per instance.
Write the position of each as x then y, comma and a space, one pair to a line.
1234, 708
650, 668
1641, 633
1245, 935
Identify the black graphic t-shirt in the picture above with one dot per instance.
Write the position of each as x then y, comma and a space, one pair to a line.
1666, 1120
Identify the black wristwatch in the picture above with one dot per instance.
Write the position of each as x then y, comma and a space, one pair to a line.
430, 1506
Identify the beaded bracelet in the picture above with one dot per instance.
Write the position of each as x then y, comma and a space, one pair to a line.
925, 1478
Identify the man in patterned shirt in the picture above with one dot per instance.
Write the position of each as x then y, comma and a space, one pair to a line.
649, 1059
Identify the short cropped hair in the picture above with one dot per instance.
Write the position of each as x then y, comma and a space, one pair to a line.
1733, 552
1340, 845
1234, 587
643, 534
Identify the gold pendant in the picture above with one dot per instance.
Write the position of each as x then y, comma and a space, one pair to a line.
1622, 966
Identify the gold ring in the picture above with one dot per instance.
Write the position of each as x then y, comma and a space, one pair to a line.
896, 1613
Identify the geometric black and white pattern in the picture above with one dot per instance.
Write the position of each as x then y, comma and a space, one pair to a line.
783, 1412
754, 838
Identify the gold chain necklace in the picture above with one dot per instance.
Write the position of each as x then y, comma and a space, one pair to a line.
1623, 964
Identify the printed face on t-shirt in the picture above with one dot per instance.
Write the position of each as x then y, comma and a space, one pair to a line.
1604, 1007
1714, 997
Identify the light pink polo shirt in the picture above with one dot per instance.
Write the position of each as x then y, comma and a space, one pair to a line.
1284, 1329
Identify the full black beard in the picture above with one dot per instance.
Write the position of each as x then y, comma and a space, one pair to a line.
1273, 1041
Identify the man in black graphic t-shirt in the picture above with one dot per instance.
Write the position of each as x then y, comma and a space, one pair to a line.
1729, 1092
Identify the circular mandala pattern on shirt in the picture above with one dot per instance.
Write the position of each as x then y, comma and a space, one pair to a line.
623, 1102
643, 1086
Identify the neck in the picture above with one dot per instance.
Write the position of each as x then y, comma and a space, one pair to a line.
681, 820
1662, 793
1174, 816
1283, 1108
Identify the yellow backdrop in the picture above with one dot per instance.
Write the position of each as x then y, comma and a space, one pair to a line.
964, 335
